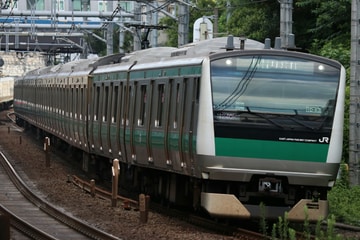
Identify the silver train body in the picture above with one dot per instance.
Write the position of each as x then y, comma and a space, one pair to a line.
205, 125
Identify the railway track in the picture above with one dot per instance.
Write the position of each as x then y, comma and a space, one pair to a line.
238, 233
34, 216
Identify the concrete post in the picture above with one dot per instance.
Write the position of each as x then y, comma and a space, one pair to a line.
47, 151
115, 178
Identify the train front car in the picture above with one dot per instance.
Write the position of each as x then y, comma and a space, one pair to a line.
270, 133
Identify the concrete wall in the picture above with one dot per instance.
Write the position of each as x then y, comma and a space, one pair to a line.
16, 64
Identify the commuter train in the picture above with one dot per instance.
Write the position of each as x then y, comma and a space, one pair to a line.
225, 125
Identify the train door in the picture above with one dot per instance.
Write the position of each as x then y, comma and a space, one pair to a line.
83, 115
76, 104
128, 127
72, 110
68, 123
139, 139
125, 89
94, 118
181, 135
114, 119
62, 109
159, 125
105, 97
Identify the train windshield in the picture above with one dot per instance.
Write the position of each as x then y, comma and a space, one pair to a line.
277, 85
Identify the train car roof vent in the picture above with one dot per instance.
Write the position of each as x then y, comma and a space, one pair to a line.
277, 43
230, 43
267, 43
291, 40
179, 53
242, 43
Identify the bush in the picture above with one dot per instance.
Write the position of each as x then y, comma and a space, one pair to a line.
344, 203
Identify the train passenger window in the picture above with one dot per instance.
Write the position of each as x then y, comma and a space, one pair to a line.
73, 103
177, 105
106, 104
125, 110
63, 100
142, 105
81, 95
116, 97
77, 99
160, 105
97, 103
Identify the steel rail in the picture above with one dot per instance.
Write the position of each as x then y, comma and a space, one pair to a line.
50, 209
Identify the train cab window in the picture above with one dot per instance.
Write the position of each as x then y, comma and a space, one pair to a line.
142, 115
160, 105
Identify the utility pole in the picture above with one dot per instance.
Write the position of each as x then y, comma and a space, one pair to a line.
109, 31
228, 14
137, 18
183, 36
287, 38
354, 114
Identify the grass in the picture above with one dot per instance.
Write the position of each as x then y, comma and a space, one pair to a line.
344, 207
344, 200
282, 230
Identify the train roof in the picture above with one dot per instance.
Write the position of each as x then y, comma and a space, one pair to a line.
191, 50
190, 53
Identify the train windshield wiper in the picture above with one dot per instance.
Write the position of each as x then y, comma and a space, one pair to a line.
280, 120
263, 116
302, 123
236, 115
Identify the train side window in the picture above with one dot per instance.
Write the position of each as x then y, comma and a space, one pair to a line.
58, 105
127, 111
142, 115
63, 100
82, 105
106, 104
78, 105
176, 120
69, 99
97, 103
73, 103
115, 103
160, 105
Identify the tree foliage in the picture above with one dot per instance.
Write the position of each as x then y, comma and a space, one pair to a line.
253, 19
330, 20
316, 23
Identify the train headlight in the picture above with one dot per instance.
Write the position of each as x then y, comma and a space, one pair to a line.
205, 175
321, 67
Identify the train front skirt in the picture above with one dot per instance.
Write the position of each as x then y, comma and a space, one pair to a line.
228, 206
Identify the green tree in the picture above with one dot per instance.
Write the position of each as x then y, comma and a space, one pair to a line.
327, 21
253, 19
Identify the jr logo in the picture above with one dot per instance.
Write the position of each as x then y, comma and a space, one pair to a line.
324, 140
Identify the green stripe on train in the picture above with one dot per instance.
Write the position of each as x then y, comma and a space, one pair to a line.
247, 148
